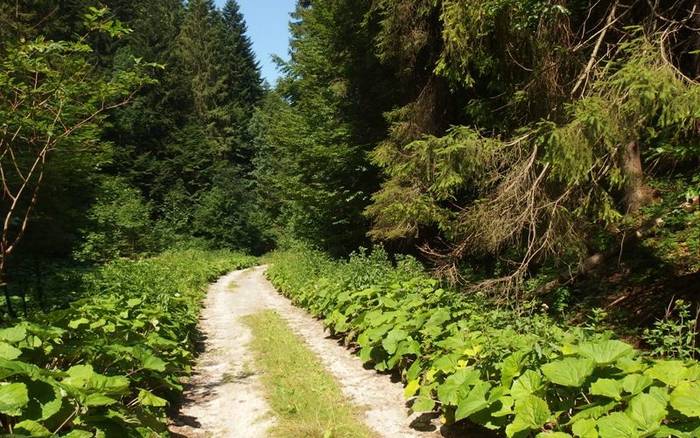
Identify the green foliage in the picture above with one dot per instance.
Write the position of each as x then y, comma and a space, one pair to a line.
111, 361
122, 225
675, 335
520, 375
199, 176
675, 236
469, 28
314, 131
181, 150
537, 196
47, 112
300, 174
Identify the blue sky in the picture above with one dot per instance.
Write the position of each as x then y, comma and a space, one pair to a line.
268, 29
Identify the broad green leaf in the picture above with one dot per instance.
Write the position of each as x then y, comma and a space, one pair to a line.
629, 365
594, 411
551, 434
617, 425
693, 373
506, 403
568, 372
414, 370
607, 387
661, 394
511, 366
636, 383
14, 367
13, 397
30, 341
458, 383
14, 334
585, 428
147, 398
133, 302
437, 318
453, 343
81, 372
646, 411
9, 352
446, 363
45, 400
604, 352
112, 384
366, 353
78, 434
528, 383
678, 432
154, 363
32, 429
568, 349
74, 324
670, 372
686, 399
423, 404
531, 413
411, 388
98, 324
83, 377
98, 400
392, 339
474, 402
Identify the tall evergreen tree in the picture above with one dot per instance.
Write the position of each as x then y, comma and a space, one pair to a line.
243, 83
199, 64
316, 131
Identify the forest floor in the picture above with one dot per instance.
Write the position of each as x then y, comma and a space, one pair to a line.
225, 397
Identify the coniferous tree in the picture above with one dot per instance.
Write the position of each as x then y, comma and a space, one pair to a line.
199, 64
243, 83
317, 129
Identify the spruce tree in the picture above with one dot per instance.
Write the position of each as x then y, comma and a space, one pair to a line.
242, 83
199, 65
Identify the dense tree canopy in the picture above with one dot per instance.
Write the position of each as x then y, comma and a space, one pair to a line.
172, 162
505, 142
511, 137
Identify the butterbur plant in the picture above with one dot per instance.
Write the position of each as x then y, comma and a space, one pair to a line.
519, 377
109, 364
675, 336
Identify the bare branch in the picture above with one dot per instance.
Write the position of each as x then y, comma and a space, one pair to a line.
601, 37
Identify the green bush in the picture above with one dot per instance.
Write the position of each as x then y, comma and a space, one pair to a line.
110, 363
120, 221
517, 375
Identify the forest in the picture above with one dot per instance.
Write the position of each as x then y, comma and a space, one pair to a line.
497, 202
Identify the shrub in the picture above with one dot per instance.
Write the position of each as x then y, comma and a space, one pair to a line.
520, 375
110, 363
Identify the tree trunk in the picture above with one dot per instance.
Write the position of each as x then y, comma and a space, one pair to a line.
696, 44
637, 192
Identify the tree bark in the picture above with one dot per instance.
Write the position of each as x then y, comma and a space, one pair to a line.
637, 192
696, 44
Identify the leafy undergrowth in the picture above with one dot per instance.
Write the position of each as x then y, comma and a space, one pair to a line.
306, 399
109, 364
518, 375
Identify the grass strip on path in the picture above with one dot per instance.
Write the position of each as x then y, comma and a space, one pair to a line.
305, 398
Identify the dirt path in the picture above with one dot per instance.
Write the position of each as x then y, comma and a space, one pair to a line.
226, 398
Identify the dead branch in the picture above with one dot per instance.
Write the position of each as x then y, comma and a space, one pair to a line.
601, 37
